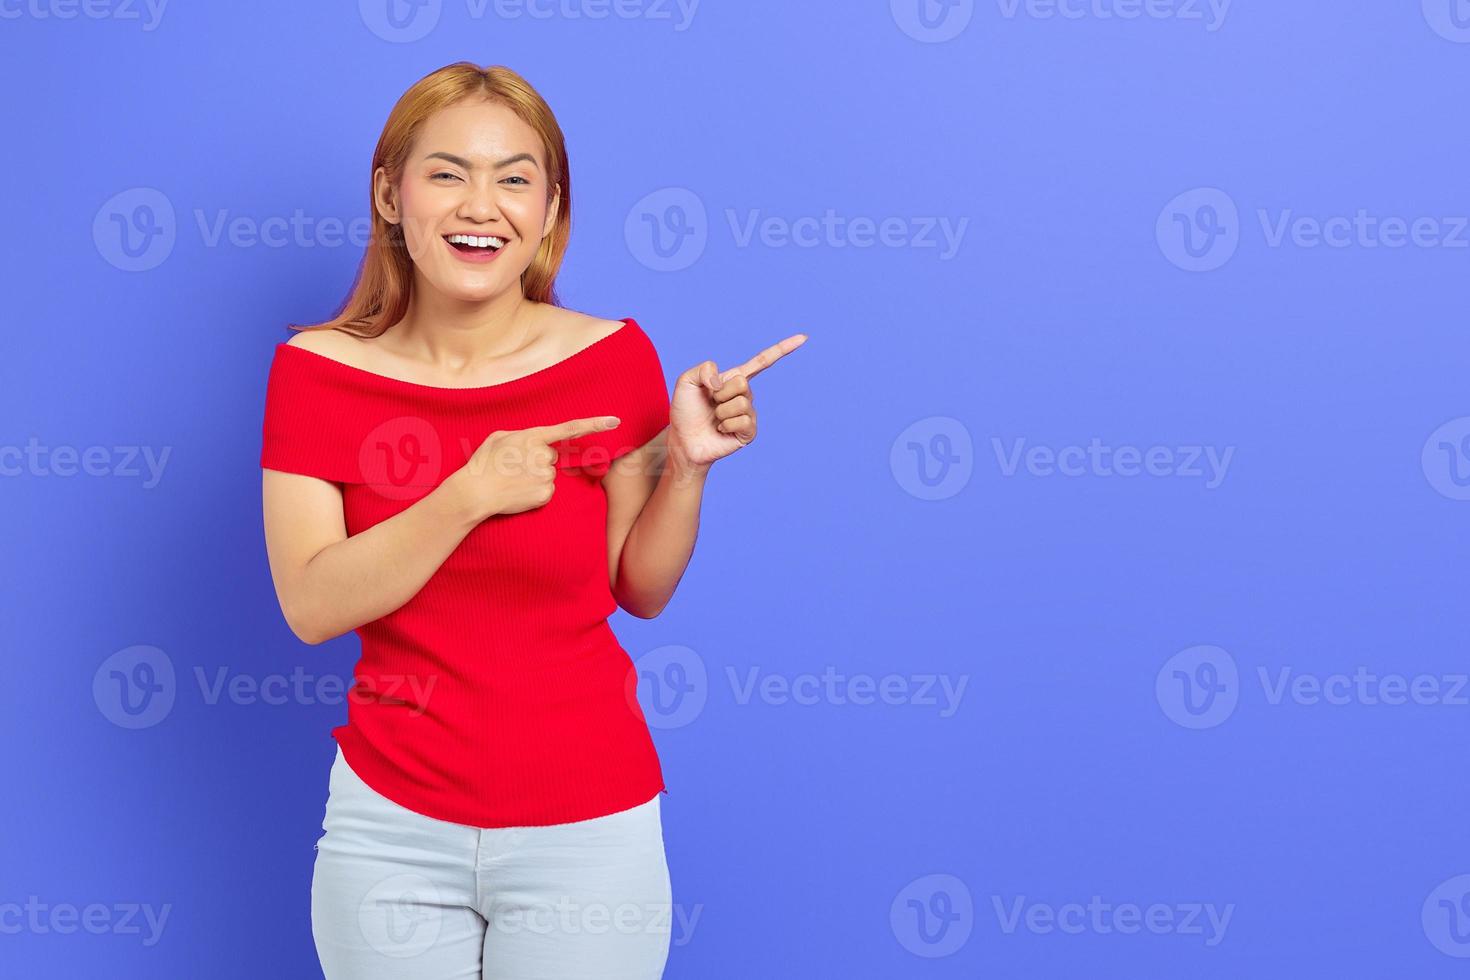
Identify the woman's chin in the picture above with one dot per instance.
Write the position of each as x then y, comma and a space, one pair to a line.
470, 288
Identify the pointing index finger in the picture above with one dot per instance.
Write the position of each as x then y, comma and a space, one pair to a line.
769, 356
575, 427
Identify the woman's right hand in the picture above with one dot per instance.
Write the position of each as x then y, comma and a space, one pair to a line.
514, 470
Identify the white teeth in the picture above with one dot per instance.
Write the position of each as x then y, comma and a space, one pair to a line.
476, 241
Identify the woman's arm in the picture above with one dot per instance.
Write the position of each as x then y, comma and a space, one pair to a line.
654, 492
652, 522
328, 583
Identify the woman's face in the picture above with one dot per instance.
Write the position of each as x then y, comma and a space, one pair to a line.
476, 169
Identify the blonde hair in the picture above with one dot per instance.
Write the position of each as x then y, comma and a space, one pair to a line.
380, 294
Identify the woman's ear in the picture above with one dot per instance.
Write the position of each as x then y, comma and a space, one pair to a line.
551, 211
385, 196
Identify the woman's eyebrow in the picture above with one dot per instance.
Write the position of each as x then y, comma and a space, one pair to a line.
462, 162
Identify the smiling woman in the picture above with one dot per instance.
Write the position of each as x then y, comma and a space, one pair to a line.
464, 152
411, 497
473, 479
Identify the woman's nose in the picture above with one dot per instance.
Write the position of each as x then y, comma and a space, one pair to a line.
480, 203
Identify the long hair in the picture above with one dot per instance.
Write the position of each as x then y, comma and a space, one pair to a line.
380, 294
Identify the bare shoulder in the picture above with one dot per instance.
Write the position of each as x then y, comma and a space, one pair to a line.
333, 343
562, 332
581, 329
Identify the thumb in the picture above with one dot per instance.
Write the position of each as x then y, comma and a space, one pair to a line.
709, 376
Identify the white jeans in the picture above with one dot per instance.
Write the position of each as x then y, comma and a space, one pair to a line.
396, 894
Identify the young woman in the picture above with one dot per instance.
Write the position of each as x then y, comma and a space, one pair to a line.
473, 478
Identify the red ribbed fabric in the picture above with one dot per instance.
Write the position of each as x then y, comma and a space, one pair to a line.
498, 696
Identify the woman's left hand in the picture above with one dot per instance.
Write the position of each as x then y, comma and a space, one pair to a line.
713, 411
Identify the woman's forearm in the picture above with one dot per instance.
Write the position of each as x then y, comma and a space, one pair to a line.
370, 574
661, 541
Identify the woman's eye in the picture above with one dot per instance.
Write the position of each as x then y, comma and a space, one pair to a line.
444, 174
519, 178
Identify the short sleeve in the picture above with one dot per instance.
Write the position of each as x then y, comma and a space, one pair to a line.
630, 384
645, 403
301, 432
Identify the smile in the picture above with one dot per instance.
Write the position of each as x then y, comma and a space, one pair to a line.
475, 248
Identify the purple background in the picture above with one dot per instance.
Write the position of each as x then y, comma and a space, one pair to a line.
1083, 759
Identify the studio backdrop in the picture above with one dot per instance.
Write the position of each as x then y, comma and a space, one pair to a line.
1090, 604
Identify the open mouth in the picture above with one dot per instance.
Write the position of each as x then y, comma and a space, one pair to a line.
481, 246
